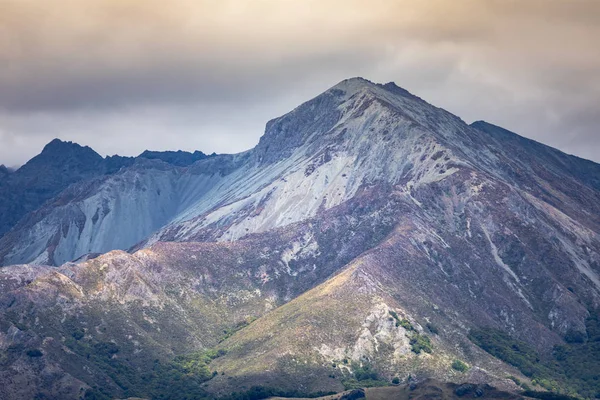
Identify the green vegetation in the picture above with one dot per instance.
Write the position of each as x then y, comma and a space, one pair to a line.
432, 328
363, 376
182, 378
179, 379
254, 393
78, 334
105, 349
262, 392
34, 353
402, 322
418, 342
396, 381
460, 366
547, 395
351, 383
572, 370
395, 316
364, 372
227, 333
512, 351
516, 380
406, 325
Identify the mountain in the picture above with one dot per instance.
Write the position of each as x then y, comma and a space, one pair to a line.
4, 171
368, 236
50, 188
179, 158
43, 177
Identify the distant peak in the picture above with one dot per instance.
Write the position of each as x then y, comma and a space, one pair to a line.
58, 147
179, 158
58, 144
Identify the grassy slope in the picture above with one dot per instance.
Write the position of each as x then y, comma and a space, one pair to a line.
316, 341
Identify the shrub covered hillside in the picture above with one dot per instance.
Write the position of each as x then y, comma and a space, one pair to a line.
573, 369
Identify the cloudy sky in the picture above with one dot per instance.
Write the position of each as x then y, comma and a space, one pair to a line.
127, 75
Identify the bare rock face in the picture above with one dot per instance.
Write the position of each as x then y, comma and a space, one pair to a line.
367, 227
43, 177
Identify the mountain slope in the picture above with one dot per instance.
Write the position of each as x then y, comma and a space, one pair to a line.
111, 210
362, 201
167, 300
319, 340
429, 270
562, 180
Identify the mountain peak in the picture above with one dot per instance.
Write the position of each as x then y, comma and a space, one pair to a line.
60, 145
353, 85
66, 150
54, 143
350, 99
4, 170
357, 80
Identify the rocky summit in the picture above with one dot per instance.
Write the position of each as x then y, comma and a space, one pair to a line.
370, 239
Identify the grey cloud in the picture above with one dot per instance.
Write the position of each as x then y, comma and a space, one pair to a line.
197, 83
126, 76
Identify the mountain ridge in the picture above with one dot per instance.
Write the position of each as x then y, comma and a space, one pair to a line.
367, 229
60, 165
316, 147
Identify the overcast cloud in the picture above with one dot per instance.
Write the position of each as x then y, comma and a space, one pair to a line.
126, 75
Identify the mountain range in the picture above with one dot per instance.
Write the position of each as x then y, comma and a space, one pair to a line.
369, 237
